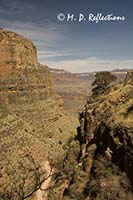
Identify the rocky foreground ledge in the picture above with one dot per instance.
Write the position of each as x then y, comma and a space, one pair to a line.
99, 161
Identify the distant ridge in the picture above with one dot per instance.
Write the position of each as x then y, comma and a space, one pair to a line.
63, 71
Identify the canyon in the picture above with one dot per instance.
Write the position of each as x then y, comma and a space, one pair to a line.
56, 140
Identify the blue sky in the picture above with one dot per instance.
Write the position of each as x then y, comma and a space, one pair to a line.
74, 46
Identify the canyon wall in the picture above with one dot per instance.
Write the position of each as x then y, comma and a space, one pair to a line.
22, 78
99, 160
34, 127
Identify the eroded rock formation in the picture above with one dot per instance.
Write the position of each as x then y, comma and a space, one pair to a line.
99, 162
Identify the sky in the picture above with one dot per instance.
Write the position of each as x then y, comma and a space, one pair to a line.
73, 45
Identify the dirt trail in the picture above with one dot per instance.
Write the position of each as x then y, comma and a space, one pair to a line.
40, 194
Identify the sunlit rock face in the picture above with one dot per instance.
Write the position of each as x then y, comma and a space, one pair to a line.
16, 52
34, 127
22, 78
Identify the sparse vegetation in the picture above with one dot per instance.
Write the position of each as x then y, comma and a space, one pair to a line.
101, 82
22, 179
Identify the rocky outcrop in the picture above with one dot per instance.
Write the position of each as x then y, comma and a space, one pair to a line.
22, 79
16, 53
99, 161
129, 77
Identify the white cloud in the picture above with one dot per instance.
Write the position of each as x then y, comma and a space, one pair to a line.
90, 64
43, 55
49, 54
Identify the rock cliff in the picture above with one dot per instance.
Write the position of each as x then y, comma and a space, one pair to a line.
16, 53
99, 161
34, 127
22, 79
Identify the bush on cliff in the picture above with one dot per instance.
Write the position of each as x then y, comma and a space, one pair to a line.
101, 82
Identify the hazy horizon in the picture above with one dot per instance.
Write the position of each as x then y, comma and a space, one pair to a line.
75, 46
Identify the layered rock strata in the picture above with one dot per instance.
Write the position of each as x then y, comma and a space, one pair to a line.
22, 79
34, 127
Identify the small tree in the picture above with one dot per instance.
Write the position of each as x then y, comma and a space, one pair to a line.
102, 81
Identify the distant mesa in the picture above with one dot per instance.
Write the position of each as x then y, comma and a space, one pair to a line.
59, 71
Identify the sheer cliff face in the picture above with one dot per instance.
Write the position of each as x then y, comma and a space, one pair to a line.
16, 53
22, 78
33, 125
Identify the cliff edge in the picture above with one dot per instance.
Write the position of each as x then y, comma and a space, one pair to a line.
99, 161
